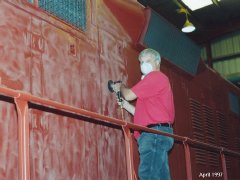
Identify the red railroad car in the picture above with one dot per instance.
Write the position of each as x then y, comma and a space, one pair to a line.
59, 121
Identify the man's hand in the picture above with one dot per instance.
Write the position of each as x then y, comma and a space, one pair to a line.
127, 93
126, 105
116, 87
120, 100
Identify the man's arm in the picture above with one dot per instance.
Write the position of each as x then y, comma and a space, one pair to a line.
129, 107
127, 93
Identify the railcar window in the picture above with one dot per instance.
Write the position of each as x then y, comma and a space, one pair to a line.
70, 11
234, 102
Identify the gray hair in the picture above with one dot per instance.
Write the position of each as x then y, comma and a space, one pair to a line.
150, 52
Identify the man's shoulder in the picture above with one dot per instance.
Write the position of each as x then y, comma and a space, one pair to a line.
158, 74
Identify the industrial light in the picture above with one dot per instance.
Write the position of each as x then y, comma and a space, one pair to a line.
197, 4
188, 27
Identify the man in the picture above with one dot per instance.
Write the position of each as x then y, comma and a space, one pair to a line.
154, 109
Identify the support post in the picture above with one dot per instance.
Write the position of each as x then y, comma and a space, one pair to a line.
188, 160
209, 55
129, 153
224, 167
23, 139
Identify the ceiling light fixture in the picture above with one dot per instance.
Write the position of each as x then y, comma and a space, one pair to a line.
188, 27
197, 4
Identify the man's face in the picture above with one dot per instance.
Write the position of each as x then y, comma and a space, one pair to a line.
150, 60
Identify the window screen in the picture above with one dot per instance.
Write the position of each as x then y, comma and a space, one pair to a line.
70, 11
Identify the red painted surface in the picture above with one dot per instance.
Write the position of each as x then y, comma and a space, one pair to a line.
36, 57
47, 58
129, 15
8, 142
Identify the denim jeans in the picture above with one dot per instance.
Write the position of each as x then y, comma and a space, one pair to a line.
153, 150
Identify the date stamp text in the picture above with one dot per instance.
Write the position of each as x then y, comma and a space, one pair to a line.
210, 174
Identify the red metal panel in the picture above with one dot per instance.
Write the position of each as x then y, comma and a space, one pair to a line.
8, 141
66, 69
65, 147
129, 15
57, 146
13, 48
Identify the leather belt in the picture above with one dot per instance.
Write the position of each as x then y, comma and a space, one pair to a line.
159, 124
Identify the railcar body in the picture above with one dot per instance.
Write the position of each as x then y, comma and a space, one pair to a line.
65, 52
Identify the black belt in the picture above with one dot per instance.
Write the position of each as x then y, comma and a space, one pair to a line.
159, 124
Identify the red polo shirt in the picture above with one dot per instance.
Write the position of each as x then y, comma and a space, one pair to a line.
154, 100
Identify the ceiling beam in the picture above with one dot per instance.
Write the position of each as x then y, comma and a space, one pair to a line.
204, 36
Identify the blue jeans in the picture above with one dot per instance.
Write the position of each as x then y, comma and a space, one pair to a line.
153, 150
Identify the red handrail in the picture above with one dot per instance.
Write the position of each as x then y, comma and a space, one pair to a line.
21, 100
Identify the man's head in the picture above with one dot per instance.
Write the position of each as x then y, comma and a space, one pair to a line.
150, 60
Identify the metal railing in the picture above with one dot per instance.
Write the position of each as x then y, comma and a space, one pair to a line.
22, 100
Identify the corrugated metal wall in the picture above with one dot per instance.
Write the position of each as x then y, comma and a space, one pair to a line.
226, 46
